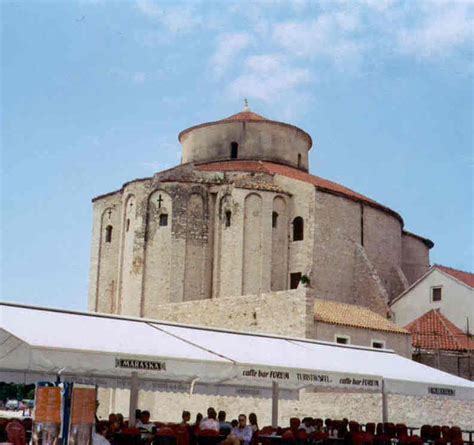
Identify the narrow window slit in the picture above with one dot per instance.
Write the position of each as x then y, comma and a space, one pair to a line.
234, 150
228, 218
275, 220
298, 229
108, 234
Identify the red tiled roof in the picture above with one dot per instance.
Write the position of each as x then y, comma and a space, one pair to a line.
294, 173
434, 331
465, 277
247, 116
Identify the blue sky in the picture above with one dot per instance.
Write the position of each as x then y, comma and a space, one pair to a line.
94, 93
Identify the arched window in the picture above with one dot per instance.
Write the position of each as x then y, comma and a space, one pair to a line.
298, 229
234, 150
163, 220
275, 220
108, 234
299, 160
127, 225
228, 218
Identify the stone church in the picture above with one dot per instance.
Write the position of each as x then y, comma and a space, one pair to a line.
241, 236
242, 215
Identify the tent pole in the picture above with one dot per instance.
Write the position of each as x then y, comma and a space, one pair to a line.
384, 403
133, 399
275, 391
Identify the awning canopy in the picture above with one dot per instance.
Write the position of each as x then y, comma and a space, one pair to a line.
39, 343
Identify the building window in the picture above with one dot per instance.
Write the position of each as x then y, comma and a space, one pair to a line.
234, 150
342, 339
228, 218
378, 344
299, 160
275, 220
295, 279
108, 234
127, 225
163, 220
436, 294
298, 229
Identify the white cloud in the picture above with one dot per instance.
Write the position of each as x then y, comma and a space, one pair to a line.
443, 28
268, 78
228, 48
176, 19
150, 8
331, 35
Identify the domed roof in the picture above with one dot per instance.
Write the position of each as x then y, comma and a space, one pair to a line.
246, 116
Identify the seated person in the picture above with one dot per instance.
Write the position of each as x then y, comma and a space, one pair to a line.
253, 422
307, 425
144, 422
242, 434
210, 422
99, 435
185, 418
224, 427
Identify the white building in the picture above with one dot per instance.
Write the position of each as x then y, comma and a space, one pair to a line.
449, 290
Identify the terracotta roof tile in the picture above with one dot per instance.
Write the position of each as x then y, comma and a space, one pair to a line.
434, 331
294, 173
245, 116
333, 312
465, 277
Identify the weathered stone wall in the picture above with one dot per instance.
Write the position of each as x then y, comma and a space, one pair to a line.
260, 140
415, 257
461, 364
159, 244
383, 244
368, 288
279, 243
198, 253
104, 255
343, 270
220, 242
361, 407
400, 343
288, 313
417, 411
301, 204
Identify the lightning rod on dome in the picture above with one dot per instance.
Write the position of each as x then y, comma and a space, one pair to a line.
246, 105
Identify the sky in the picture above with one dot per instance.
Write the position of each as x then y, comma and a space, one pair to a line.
94, 94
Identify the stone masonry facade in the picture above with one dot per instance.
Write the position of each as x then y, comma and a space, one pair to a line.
188, 234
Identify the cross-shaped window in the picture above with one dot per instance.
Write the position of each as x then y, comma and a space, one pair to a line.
159, 201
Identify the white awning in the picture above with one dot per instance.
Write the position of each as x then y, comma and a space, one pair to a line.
37, 343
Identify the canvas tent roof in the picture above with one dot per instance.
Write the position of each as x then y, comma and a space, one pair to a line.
38, 342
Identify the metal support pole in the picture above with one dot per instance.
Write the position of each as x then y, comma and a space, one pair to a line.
133, 399
275, 394
384, 403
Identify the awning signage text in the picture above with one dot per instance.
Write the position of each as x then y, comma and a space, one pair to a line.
147, 365
280, 375
359, 382
313, 378
442, 391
